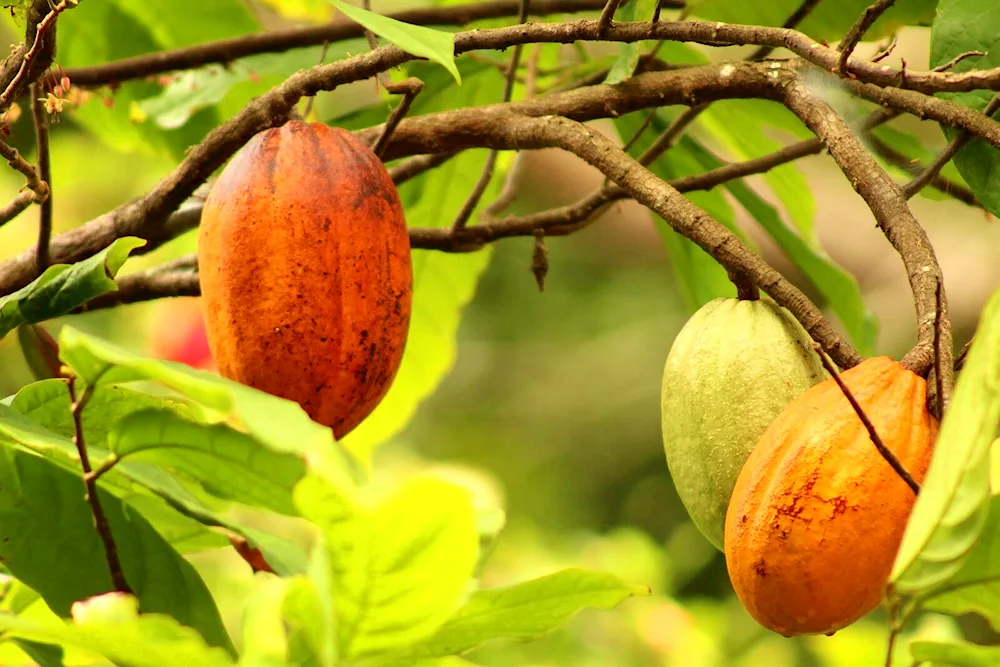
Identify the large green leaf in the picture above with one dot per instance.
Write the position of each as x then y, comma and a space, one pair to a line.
976, 587
741, 125
952, 506
111, 626
435, 45
699, 277
276, 423
524, 611
398, 569
229, 464
940, 654
182, 519
837, 285
828, 20
443, 283
962, 26
49, 542
63, 287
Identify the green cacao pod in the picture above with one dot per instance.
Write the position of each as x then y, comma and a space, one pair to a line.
730, 371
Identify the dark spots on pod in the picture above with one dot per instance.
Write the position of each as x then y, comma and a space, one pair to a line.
760, 568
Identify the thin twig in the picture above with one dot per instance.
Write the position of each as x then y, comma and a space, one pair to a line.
960, 359
886, 453
858, 30
959, 58
486, 176
90, 484
939, 182
41, 120
942, 396
409, 89
312, 99
797, 17
924, 178
414, 166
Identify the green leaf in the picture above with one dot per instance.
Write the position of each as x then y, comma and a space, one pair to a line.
63, 287
939, 654
962, 26
45, 655
827, 20
976, 587
416, 40
110, 626
279, 424
628, 54
837, 285
49, 542
229, 464
443, 283
263, 632
741, 126
398, 569
183, 520
524, 611
952, 506
699, 277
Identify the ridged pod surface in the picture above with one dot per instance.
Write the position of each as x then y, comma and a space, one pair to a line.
730, 371
304, 262
817, 514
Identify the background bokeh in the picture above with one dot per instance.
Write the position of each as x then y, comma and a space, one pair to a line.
552, 408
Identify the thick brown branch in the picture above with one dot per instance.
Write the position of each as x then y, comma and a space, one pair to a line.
518, 132
887, 203
227, 51
701, 32
41, 122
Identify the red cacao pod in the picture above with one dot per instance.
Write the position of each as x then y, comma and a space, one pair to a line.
304, 262
817, 514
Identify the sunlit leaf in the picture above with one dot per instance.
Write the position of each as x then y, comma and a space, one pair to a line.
940, 654
110, 626
628, 54
952, 505
398, 569
525, 611
975, 587
416, 40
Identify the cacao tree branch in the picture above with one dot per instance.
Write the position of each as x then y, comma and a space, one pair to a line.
797, 17
29, 60
858, 30
514, 131
887, 203
938, 182
932, 170
41, 123
277, 41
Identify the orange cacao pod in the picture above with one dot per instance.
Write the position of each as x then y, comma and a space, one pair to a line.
817, 514
304, 262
